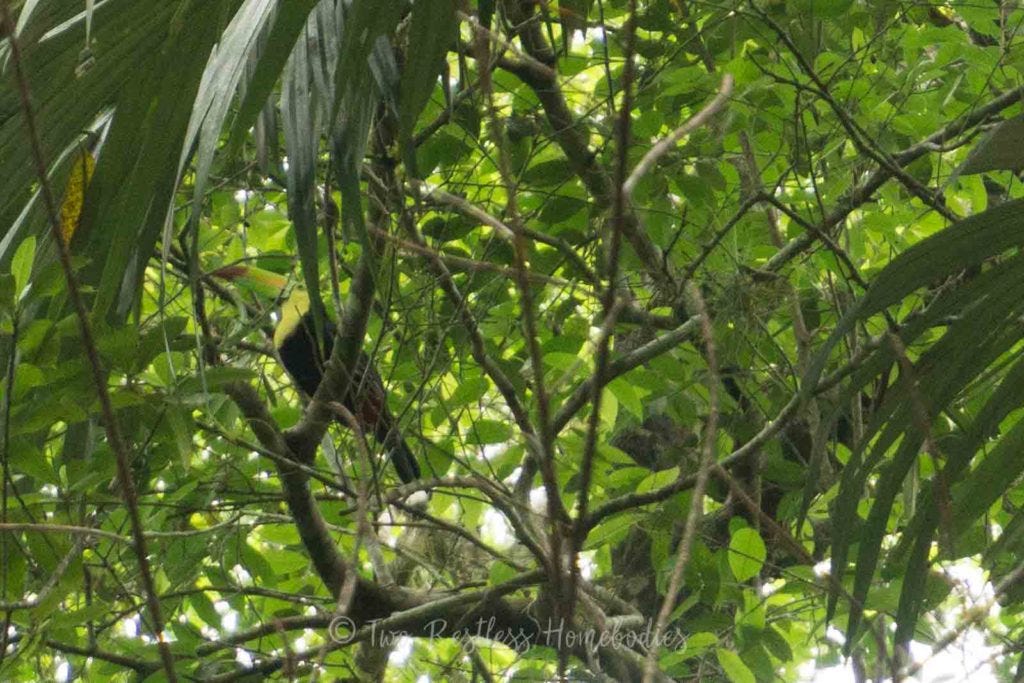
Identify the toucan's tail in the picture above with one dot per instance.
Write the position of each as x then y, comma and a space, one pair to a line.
370, 406
401, 457
404, 461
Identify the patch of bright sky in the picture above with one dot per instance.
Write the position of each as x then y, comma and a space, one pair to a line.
514, 477
241, 576
229, 621
390, 529
493, 450
495, 530
587, 565
130, 627
969, 659
538, 500
402, 652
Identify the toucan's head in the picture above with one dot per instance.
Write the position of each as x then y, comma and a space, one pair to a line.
293, 310
301, 345
295, 303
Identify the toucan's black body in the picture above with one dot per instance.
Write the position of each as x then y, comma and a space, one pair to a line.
297, 346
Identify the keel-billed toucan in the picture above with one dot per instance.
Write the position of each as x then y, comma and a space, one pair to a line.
303, 356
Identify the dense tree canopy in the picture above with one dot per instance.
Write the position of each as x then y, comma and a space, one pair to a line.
702, 321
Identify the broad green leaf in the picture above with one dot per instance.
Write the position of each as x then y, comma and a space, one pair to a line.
747, 553
67, 104
490, 432
609, 409
627, 396
288, 25
432, 31
999, 150
26, 459
469, 391
777, 644
501, 572
302, 141
734, 668
214, 379
612, 530
221, 77
940, 374
21, 264
658, 480
134, 180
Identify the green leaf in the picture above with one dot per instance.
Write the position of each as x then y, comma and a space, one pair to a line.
658, 480
288, 24
7, 292
609, 409
432, 30
734, 668
131, 190
66, 103
747, 553
612, 530
777, 644
21, 264
27, 459
964, 244
236, 48
548, 173
469, 391
1000, 150
627, 395
502, 572
490, 431
213, 379
696, 645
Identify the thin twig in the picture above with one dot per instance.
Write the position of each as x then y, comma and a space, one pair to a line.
478, 346
99, 376
620, 366
697, 495
55, 575
619, 207
5, 473
422, 190
663, 146
542, 447
858, 136
484, 33
365, 534
470, 265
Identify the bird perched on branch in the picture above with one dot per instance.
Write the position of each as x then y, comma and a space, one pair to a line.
303, 353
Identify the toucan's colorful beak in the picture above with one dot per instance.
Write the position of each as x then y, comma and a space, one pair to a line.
263, 282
